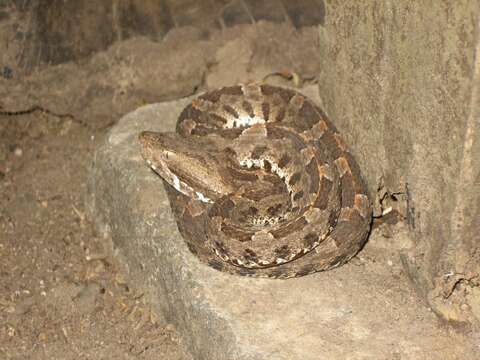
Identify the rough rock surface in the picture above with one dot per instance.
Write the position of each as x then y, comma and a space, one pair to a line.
363, 310
401, 79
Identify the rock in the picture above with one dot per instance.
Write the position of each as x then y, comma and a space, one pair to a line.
350, 312
411, 118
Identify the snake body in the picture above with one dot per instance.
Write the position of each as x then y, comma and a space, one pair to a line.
261, 183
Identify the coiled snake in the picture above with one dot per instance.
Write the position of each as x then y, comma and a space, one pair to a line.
261, 183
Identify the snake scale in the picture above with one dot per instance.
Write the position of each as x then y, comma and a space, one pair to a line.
261, 183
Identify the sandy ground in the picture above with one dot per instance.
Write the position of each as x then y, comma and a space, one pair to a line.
60, 297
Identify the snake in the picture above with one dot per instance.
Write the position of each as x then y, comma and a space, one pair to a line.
260, 182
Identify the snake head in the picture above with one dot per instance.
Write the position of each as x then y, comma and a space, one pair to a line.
186, 165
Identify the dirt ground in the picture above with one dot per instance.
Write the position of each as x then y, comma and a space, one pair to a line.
60, 297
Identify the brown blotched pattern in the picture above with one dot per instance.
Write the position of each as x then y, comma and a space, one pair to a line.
261, 183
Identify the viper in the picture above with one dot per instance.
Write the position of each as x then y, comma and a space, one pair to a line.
261, 183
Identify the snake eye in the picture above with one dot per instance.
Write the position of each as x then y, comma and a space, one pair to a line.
166, 155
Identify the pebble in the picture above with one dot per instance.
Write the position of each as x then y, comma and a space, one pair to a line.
18, 152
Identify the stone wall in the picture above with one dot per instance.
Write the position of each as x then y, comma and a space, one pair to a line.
400, 79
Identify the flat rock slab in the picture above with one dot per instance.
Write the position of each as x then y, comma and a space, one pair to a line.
363, 310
